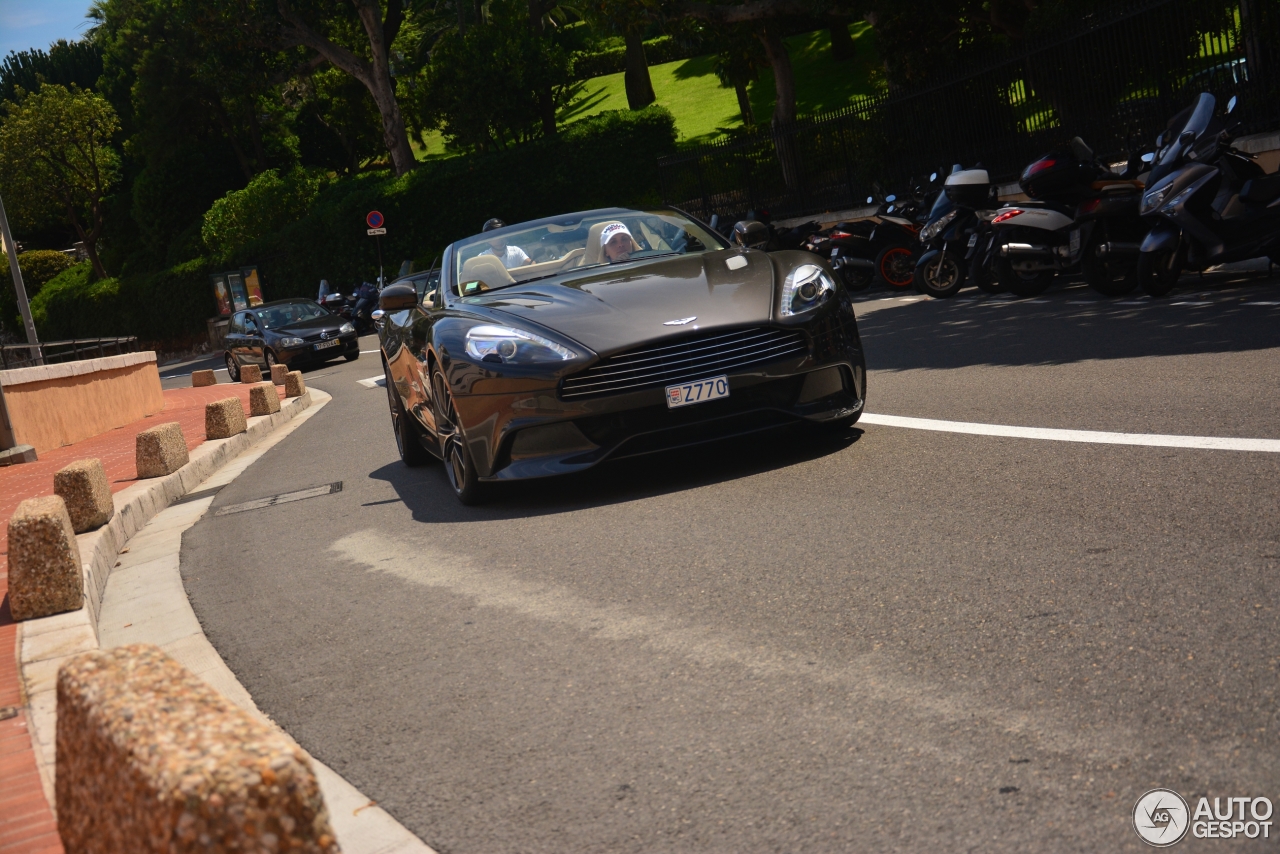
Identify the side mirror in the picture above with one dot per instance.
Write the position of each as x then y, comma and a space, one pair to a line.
1149, 157
871, 200
933, 177
751, 234
1231, 105
714, 222
1186, 137
397, 298
891, 198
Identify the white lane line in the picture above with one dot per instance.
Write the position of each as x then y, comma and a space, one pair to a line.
1188, 302
373, 382
1155, 440
1260, 303
363, 352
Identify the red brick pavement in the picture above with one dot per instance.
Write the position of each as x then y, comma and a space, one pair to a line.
27, 825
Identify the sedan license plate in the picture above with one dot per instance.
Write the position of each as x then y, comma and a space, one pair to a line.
973, 240
326, 344
699, 391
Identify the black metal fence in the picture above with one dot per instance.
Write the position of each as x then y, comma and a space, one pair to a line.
50, 352
1115, 82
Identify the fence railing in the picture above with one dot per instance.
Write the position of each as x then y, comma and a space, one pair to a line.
50, 352
1115, 82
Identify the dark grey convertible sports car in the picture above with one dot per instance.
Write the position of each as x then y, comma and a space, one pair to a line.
551, 345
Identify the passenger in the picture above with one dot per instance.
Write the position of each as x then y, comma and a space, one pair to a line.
617, 243
510, 256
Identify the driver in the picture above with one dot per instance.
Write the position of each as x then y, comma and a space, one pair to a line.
617, 243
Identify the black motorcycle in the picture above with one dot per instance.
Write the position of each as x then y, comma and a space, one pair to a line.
1208, 203
846, 244
891, 244
950, 232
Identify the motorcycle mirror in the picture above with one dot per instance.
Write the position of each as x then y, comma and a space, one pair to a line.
751, 234
870, 199
1231, 105
933, 177
890, 198
1148, 157
1187, 136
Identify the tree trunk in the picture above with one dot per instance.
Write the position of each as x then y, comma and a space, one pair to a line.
90, 239
744, 104
841, 43
784, 105
639, 85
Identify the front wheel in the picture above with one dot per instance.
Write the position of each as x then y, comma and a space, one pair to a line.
1110, 278
980, 274
939, 275
855, 279
894, 267
1158, 271
1023, 283
458, 464
352, 356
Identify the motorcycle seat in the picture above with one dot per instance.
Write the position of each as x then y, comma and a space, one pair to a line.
1261, 191
1069, 210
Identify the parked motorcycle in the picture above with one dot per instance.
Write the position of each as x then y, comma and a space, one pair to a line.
1080, 214
1208, 203
846, 244
951, 231
891, 242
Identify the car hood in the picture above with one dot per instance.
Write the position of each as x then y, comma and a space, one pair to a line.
303, 328
614, 308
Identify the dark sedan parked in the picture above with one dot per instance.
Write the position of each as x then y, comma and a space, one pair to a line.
292, 332
611, 333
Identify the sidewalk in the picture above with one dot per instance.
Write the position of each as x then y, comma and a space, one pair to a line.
26, 823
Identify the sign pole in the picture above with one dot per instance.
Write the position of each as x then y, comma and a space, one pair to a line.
11, 249
381, 281
377, 227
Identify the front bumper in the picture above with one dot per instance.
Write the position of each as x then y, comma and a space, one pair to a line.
307, 353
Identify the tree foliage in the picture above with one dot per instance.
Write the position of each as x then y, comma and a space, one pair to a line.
76, 63
268, 204
55, 151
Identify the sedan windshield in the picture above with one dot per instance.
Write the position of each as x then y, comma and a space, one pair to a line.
276, 316
521, 253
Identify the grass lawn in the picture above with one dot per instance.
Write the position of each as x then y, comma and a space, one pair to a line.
704, 110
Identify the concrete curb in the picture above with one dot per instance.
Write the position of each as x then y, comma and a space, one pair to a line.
147, 591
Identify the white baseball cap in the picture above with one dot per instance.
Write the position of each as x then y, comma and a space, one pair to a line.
612, 229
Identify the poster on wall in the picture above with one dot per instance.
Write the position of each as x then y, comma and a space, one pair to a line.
252, 285
239, 296
221, 293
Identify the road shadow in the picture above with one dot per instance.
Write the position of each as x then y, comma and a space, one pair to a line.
426, 491
942, 334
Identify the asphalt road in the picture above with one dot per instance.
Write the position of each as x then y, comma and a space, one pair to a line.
888, 640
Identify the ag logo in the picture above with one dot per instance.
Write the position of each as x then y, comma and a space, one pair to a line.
1161, 817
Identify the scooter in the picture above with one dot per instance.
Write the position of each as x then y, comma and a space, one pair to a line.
1208, 203
1080, 215
951, 231
891, 245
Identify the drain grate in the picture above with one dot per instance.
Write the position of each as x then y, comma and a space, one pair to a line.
282, 498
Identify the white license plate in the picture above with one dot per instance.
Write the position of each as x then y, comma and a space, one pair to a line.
700, 391
1074, 244
973, 240
324, 345
835, 252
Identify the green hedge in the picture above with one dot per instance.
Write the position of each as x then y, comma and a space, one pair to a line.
606, 160
588, 64
38, 266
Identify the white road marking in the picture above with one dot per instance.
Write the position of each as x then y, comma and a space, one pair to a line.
273, 500
1187, 302
363, 352
1154, 440
374, 382
1260, 303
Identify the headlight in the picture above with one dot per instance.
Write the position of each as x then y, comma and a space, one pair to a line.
805, 287
290, 342
933, 229
1152, 200
513, 346
345, 328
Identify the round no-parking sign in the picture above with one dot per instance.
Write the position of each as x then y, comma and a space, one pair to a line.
374, 219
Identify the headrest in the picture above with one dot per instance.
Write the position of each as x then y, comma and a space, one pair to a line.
595, 252
487, 269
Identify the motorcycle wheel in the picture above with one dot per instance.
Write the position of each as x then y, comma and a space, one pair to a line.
939, 277
458, 464
980, 274
407, 443
233, 369
1109, 278
855, 280
894, 267
1158, 272
1023, 284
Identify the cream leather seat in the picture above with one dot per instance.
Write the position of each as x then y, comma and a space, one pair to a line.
487, 270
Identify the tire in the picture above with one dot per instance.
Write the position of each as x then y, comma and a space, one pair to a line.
855, 280
980, 274
1021, 284
351, 357
458, 465
939, 275
233, 368
1109, 278
407, 443
1158, 272
272, 361
894, 267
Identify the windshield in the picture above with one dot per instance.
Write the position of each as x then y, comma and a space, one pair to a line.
549, 247
942, 205
276, 316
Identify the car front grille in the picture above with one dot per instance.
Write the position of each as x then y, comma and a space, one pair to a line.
693, 358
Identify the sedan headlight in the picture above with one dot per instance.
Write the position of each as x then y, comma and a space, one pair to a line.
346, 328
513, 346
291, 342
933, 229
1152, 201
805, 288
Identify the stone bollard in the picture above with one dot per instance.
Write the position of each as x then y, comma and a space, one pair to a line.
44, 560
151, 759
278, 373
294, 385
83, 486
161, 450
250, 374
224, 418
263, 399
199, 379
